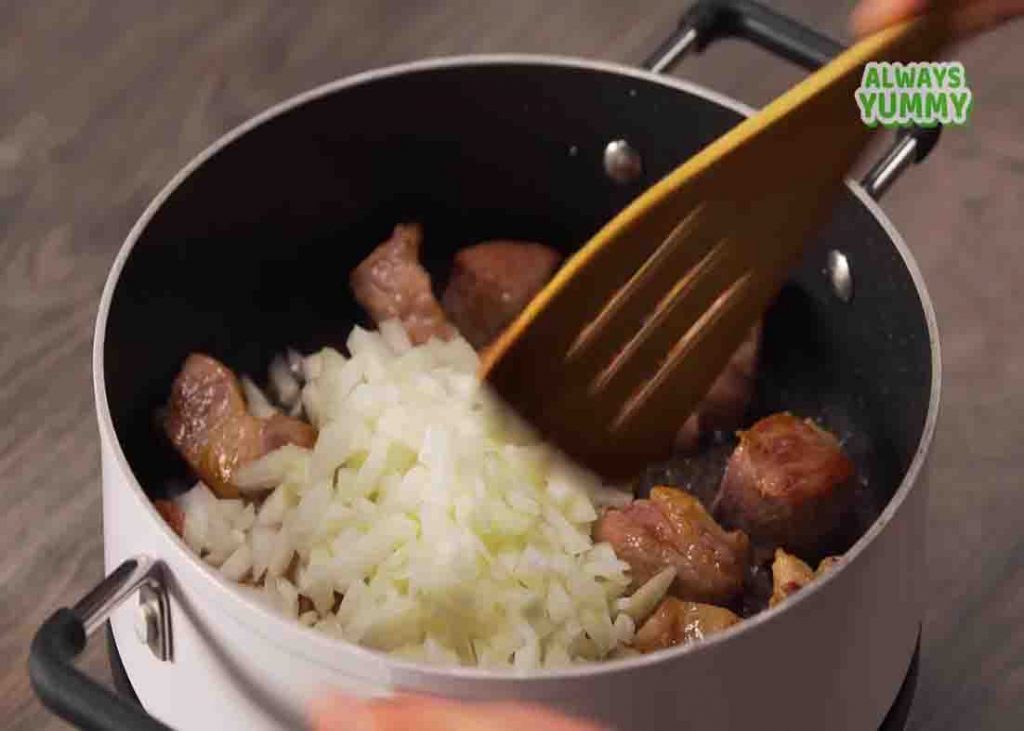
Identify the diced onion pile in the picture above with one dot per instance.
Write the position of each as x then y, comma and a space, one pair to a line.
453, 535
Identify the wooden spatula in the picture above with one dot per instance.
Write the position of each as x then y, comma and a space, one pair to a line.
610, 358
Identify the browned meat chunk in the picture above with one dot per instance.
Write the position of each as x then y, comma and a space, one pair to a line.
492, 282
208, 423
172, 514
726, 402
675, 622
674, 529
788, 484
790, 574
391, 283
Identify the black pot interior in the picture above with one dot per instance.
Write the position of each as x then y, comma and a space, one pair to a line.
251, 253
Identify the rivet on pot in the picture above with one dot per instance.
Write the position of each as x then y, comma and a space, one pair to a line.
152, 625
147, 623
839, 275
621, 162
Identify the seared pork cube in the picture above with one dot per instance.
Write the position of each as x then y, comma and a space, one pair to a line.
672, 528
492, 282
725, 403
675, 622
787, 484
790, 574
172, 514
208, 423
391, 283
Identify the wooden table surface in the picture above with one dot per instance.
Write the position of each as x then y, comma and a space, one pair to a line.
101, 102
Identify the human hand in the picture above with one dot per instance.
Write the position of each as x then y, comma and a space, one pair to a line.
969, 16
421, 713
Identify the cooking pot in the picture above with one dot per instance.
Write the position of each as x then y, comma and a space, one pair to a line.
247, 251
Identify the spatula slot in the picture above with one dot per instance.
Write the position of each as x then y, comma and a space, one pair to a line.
630, 305
669, 368
694, 288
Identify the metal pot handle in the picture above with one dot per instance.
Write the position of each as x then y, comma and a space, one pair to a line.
69, 692
707, 21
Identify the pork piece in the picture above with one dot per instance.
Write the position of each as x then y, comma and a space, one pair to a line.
790, 574
209, 425
672, 528
492, 282
172, 514
391, 283
675, 622
724, 405
787, 484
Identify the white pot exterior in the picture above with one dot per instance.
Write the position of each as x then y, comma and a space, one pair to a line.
832, 657
833, 660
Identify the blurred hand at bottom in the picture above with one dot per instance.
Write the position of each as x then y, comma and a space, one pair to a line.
344, 713
970, 16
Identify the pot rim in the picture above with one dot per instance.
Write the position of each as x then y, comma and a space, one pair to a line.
330, 651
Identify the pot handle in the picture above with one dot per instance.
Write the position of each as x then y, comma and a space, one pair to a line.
707, 21
69, 692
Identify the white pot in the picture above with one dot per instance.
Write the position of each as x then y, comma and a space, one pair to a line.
833, 656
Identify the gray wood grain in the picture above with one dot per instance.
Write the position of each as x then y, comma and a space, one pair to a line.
101, 101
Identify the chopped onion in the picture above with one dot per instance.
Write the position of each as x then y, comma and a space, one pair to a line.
283, 382
604, 496
624, 628
644, 600
256, 401
275, 507
296, 364
283, 464
395, 337
452, 533
238, 563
